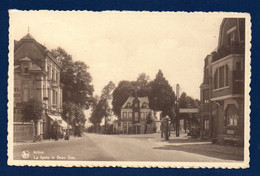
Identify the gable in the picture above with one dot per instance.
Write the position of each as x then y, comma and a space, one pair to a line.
226, 25
141, 100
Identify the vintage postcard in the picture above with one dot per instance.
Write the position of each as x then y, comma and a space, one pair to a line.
129, 89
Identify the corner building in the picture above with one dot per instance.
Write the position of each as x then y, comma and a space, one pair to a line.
36, 75
222, 90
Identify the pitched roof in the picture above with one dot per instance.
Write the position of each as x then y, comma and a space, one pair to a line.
35, 68
42, 48
143, 100
131, 99
28, 37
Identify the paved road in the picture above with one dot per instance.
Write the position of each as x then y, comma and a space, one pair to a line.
95, 147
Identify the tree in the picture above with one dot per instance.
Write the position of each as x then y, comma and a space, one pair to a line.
106, 96
161, 96
32, 111
124, 90
82, 88
76, 79
101, 108
142, 85
73, 113
93, 117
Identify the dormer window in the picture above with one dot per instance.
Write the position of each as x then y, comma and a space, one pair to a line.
144, 105
231, 35
26, 70
128, 105
136, 105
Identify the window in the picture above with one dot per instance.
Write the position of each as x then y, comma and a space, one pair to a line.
142, 115
53, 75
205, 96
216, 79
136, 105
26, 70
232, 120
53, 97
232, 116
227, 75
49, 72
144, 105
130, 115
56, 96
57, 76
124, 115
128, 105
49, 96
221, 77
231, 37
25, 94
206, 125
136, 116
147, 114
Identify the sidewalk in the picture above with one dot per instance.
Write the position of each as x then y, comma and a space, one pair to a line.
202, 147
45, 141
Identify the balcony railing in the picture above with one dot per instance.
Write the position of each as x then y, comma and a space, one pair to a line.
223, 51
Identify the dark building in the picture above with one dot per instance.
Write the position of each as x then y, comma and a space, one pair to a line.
222, 90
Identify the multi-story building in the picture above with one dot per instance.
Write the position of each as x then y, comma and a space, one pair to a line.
36, 76
133, 119
222, 90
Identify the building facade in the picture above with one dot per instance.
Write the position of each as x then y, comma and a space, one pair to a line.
36, 76
222, 90
133, 119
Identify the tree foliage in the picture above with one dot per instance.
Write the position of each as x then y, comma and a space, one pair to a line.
72, 112
76, 79
161, 96
93, 117
125, 89
186, 101
101, 107
32, 111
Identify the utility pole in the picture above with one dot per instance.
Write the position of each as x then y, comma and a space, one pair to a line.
177, 111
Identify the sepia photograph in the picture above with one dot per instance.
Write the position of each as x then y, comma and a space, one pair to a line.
129, 89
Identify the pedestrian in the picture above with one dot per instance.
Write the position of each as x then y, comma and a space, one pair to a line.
162, 127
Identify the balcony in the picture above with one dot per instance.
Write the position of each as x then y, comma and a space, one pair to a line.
223, 51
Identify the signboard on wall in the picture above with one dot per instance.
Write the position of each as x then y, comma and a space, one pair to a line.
189, 110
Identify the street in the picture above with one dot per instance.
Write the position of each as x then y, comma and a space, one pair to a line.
149, 147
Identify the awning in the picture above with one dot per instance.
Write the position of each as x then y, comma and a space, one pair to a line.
61, 122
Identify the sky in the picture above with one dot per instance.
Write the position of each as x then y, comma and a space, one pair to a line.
120, 45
